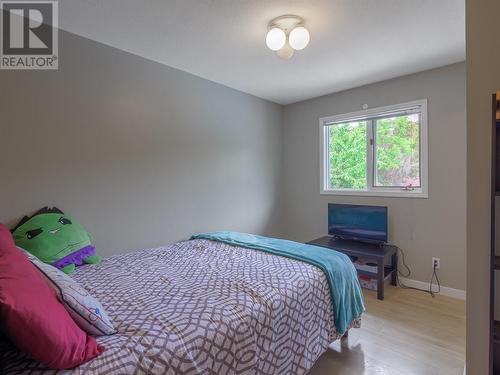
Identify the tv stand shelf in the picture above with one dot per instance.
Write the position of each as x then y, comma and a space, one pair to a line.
386, 257
387, 271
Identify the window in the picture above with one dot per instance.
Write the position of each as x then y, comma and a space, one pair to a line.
380, 151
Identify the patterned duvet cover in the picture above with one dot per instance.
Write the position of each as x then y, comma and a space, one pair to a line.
204, 307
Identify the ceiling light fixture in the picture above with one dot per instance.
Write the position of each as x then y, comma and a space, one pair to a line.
287, 34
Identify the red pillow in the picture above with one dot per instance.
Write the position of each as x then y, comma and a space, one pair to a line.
33, 318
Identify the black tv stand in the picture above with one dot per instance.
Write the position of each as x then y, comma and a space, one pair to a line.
385, 255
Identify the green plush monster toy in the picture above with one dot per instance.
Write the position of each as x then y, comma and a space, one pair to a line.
56, 239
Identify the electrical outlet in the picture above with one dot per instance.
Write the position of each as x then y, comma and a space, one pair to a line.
436, 263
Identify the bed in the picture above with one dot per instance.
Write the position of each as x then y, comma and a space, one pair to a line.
204, 307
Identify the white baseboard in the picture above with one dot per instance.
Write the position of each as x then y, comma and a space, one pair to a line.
450, 292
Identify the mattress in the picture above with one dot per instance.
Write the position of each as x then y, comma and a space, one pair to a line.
204, 307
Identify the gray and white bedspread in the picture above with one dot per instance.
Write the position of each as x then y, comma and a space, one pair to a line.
203, 307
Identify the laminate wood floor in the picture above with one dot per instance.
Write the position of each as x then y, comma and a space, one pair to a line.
408, 333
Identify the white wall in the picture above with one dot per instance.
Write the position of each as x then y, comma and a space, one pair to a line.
422, 227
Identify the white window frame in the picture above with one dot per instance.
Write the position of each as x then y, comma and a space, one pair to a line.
371, 190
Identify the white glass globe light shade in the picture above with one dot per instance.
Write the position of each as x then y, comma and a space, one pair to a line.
299, 38
275, 39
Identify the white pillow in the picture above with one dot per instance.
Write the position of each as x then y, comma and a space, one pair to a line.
85, 310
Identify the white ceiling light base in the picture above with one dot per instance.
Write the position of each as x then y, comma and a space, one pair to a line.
286, 23
296, 35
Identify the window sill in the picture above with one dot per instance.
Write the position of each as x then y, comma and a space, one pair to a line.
375, 193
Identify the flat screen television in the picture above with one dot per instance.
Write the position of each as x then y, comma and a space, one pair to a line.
355, 222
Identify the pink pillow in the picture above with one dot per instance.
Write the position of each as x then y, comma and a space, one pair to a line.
32, 317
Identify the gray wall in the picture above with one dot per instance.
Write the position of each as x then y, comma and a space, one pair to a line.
422, 227
141, 153
483, 79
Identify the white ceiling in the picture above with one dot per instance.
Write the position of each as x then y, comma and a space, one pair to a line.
353, 42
